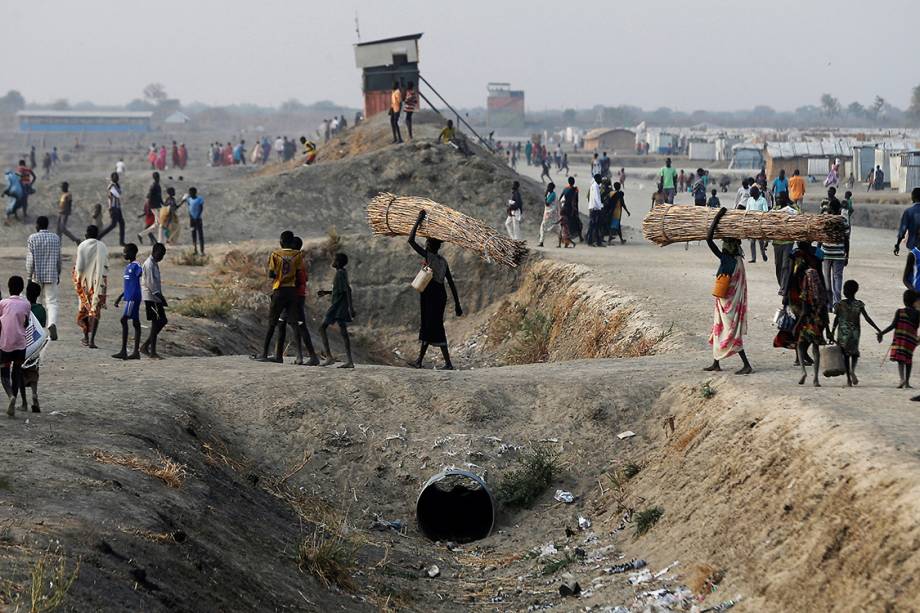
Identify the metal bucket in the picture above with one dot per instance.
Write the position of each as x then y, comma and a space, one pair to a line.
455, 505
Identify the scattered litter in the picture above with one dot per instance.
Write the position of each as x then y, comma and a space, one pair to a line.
380, 523
580, 553
433, 571
661, 573
58, 413
641, 577
549, 440
626, 434
564, 496
548, 549
569, 586
394, 437
622, 568
666, 597
626, 519
723, 606
583, 523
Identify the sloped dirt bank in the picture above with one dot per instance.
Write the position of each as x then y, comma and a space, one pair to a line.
543, 311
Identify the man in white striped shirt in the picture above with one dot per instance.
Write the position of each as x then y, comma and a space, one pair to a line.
43, 265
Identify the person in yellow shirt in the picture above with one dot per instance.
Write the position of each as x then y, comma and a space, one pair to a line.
448, 133
797, 189
309, 150
283, 266
395, 108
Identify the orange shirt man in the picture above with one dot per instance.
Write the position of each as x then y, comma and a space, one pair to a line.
796, 187
395, 107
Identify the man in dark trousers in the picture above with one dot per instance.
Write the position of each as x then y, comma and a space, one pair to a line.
395, 108
155, 202
910, 223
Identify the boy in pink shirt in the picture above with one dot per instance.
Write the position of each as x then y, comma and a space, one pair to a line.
15, 312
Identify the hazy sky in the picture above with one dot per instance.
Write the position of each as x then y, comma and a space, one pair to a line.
688, 55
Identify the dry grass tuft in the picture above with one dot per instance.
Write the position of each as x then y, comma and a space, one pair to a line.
703, 578
503, 323
149, 535
50, 582
188, 257
216, 304
217, 453
330, 557
333, 242
166, 470
244, 270
532, 339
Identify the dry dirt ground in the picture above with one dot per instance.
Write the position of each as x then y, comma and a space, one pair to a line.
794, 498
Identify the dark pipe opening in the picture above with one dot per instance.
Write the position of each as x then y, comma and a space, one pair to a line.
455, 505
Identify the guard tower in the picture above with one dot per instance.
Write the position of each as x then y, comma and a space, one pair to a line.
384, 62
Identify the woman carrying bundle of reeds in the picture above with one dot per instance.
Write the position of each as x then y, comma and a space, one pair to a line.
433, 299
729, 323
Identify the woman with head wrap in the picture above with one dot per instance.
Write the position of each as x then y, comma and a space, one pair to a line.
729, 323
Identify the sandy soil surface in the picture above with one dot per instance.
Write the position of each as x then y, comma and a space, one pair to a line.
801, 498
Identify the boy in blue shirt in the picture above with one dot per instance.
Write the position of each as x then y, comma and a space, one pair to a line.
132, 298
195, 209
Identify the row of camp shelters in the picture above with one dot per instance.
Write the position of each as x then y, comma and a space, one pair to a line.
899, 159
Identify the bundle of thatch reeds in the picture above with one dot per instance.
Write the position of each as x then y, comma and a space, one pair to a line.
391, 215
667, 224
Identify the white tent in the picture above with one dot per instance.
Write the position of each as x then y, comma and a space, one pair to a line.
177, 117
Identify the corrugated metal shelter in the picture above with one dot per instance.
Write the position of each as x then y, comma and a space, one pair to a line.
384, 62
911, 175
863, 160
612, 140
701, 151
84, 121
806, 157
747, 156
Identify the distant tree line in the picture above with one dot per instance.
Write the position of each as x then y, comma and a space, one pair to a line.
154, 98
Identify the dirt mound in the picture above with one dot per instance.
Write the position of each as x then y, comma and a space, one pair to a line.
375, 134
335, 192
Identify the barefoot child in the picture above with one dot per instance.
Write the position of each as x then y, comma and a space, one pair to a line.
132, 298
341, 311
30, 374
846, 326
15, 312
904, 340
154, 302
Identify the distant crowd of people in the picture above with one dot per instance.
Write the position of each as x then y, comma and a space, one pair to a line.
284, 148
157, 157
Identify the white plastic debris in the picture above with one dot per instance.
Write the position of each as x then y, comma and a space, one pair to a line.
583, 523
433, 571
549, 549
564, 496
626, 434
643, 576
661, 573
